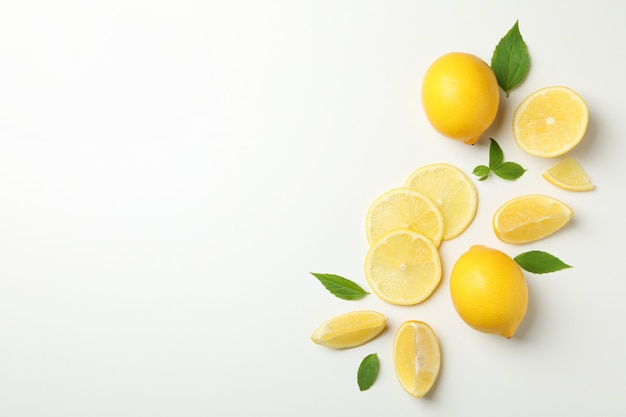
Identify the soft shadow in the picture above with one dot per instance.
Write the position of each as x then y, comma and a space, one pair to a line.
532, 312
501, 119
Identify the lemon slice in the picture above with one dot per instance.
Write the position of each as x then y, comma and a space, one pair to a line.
403, 267
404, 208
550, 121
453, 193
530, 217
569, 175
350, 329
416, 357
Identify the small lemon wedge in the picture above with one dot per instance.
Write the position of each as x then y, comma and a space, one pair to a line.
350, 329
569, 175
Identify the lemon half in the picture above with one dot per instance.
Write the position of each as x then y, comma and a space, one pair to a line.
550, 122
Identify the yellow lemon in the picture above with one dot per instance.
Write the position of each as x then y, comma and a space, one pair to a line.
416, 357
349, 329
531, 217
460, 95
550, 121
569, 175
489, 291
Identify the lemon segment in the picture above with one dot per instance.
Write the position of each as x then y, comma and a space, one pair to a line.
550, 122
460, 96
350, 329
569, 175
404, 208
453, 193
416, 357
488, 291
529, 218
403, 267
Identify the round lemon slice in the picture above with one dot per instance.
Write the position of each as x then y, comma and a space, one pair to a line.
416, 357
529, 218
349, 329
550, 121
453, 193
404, 208
403, 267
569, 175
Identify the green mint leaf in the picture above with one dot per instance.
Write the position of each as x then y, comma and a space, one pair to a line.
539, 262
510, 60
368, 371
341, 287
481, 171
496, 156
497, 165
509, 170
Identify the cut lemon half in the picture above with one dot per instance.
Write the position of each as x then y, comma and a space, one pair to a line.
416, 357
529, 218
453, 193
569, 175
403, 267
404, 208
350, 329
550, 121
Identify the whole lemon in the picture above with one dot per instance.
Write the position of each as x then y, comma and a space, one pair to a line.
460, 96
489, 291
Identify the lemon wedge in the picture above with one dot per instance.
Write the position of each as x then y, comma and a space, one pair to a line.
569, 175
529, 218
350, 329
416, 357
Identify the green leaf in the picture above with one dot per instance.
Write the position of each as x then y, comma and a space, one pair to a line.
539, 262
496, 156
481, 171
341, 287
368, 371
510, 60
509, 170
497, 165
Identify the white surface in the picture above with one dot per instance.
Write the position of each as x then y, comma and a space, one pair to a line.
171, 171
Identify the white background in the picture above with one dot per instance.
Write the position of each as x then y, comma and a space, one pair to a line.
171, 171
